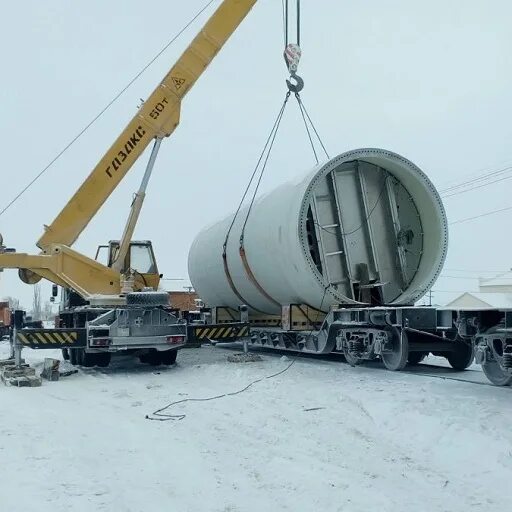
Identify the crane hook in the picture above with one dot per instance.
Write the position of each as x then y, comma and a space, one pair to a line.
297, 86
292, 55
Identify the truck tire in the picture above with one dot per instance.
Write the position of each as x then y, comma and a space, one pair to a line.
88, 360
150, 357
80, 356
65, 354
168, 357
73, 356
147, 299
156, 358
103, 359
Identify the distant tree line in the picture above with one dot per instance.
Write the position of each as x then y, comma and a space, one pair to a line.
40, 310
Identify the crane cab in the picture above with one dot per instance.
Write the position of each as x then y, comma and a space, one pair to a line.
140, 259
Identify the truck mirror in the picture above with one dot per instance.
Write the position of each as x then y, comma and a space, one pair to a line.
55, 291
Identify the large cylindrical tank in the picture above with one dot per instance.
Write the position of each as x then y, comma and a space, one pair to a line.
366, 227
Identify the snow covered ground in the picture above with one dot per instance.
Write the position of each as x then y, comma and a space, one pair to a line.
320, 437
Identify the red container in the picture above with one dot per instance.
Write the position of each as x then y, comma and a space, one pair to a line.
5, 314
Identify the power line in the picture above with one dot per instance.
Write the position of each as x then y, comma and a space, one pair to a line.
476, 183
104, 109
467, 219
459, 277
484, 176
497, 271
456, 193
454, 291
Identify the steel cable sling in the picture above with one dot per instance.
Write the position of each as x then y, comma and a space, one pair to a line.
295, 84
264, 156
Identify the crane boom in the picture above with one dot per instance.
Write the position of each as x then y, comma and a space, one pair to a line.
157, 117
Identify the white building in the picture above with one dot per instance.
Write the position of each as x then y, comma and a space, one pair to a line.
495, 292
498, 284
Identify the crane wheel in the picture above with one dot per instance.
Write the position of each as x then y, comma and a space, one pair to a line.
168, 357
89, 360
79, 357
152, 358
73, 356
103, 359
156, 358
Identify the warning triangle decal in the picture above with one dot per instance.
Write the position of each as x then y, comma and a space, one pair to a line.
178, 82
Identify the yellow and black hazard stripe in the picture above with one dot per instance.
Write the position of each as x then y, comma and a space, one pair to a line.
52, 338
221, 332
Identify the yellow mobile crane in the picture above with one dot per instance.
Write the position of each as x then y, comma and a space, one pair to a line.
116, 306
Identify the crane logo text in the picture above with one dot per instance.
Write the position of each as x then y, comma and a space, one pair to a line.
127, 149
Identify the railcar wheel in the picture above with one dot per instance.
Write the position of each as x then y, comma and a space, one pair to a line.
463, 355
491, 358
348, 351
351, 359
496, 374
395, 350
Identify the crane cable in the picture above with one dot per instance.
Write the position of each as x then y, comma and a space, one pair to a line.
270, 141
291, 58
295, 84
286, 17
268, 149
105, 108
264, 166
305, 116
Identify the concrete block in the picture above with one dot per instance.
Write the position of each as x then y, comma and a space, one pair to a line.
9, 362
51, 369
34, 381
10, 372
24, 382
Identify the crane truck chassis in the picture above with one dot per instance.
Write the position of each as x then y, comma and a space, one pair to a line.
116, 306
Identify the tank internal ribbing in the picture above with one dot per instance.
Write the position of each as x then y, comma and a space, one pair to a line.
362, 234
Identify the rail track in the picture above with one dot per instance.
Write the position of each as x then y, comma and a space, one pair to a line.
428, 368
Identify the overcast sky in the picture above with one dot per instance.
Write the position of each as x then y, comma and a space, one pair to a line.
428, 80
